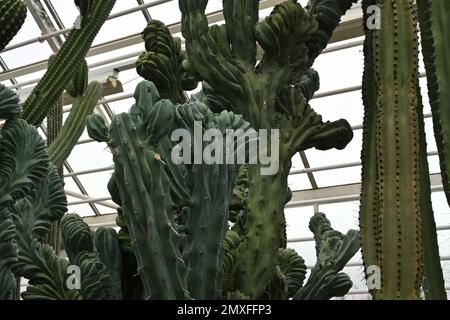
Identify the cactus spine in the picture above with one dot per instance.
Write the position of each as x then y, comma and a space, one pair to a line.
63, 68
12, 16
390, 217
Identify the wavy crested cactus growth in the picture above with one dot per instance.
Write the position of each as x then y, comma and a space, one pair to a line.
98, 257
390, 214
272, 94
334, 250
31, 196
162, 63
65, 65
12, 17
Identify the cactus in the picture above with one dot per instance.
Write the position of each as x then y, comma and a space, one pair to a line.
434, 25
75, 124
162, 63
146, 202
267, 95
98, 271
390, 216
433, 22
106, 243
12, 16
334, 250
65, 65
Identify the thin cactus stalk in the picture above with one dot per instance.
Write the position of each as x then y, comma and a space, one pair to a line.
390, 216
73, 128
63, 68
269, 96
12, 16
434, 25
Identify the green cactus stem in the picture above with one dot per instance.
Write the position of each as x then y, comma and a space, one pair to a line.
390, 216
12, 16
75, 124
144, 190
434, 25
65, 65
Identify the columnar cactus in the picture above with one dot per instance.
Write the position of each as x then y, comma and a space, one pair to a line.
63, 68
269, 96
12, 17
390, 214
144, 190
434, 26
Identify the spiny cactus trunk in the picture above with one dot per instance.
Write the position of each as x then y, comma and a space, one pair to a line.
12, 17
267, 197
63, 68
390, 217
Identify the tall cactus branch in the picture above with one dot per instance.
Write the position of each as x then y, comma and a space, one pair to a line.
390, 218
63, 68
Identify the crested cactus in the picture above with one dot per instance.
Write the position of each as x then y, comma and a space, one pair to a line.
65, 65
12, 16
162, 63
390, 213
269, 96
334, 250
99, 269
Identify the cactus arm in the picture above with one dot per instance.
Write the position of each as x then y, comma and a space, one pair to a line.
106, 242
75, 124
8, 254
12, 16
66, 64
245, 15
334, 250
434, 24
